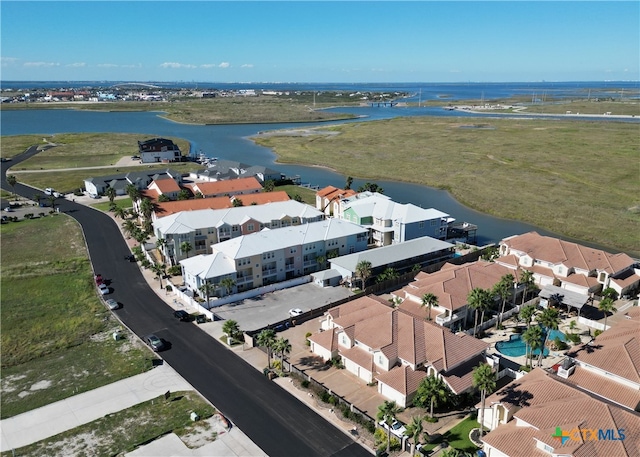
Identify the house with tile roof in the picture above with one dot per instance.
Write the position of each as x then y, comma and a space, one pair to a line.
206, 227
240, 186
541, 414
391, 222
167, 187
272, 255
378, 342
452, 285
569, 265
328, 199
163, 209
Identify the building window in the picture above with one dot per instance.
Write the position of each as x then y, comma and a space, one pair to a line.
250, 227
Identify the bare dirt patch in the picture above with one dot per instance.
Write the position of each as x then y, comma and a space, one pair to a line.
204, 431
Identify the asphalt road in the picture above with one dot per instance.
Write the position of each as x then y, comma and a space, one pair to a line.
275, 421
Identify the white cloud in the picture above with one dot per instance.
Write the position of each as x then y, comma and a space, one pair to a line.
247, 65
6, 61
133, 65
208, 65
41, 64
77, 64
224, 65
107, 65
176, 65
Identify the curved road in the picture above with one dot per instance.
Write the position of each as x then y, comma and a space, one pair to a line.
275, 421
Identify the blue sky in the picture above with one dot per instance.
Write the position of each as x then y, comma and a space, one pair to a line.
328, 41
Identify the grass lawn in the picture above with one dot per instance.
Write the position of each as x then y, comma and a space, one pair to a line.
458, 436
122, 202
576, 178
307, 195
125, 430
56, 332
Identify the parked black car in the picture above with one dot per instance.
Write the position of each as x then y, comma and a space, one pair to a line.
130, 257
182, 315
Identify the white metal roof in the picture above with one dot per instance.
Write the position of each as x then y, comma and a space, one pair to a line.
392, 253
280, 238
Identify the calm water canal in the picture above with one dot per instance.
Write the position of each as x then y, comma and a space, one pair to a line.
231, 142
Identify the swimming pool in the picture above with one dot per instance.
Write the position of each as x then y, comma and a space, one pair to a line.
516, 346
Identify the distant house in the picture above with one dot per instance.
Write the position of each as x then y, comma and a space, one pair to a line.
158, 150
230, 187
140, 179
328, 199
221, 170
167, 187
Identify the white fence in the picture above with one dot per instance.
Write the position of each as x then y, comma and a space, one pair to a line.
592, 324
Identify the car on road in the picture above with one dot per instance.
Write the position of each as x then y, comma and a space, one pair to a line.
49, 191
104, 290
130, 257
182, 315
99, 279
112, 304
8, 209
154, 342
295, 312
397, 428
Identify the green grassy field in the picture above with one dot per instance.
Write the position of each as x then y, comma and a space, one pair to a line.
125, 430
575, 178
56, 333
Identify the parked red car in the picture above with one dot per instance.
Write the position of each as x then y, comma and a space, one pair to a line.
98, 279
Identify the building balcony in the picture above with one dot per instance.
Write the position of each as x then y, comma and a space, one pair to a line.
444, 318
269, 271
289, 267
243, 279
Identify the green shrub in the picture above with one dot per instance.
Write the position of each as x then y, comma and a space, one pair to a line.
305, 384
597, 332
306, 338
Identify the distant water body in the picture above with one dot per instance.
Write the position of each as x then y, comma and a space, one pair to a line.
231, 141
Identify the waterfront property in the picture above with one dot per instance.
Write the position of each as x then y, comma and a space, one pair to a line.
221, 170
240, 186
157, 150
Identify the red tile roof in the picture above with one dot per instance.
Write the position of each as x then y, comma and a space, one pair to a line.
168, 208
231, 186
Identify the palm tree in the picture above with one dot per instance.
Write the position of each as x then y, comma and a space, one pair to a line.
160, 244
414, 429
503, 289
609, 292
228, 284
549, 319
231, 328
133, 192
146, 208
434, 390
207, 289
484, 379
479, 300
12, 181
266, 338
130, 228
387, 413
429, 300
321, 261
526, 280
110, 192
607, 305
186, 247
363, 270
533, 340
160, 270
282, 347
119, 212
527, 313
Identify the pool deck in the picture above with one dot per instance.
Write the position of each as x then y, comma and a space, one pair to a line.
550, 360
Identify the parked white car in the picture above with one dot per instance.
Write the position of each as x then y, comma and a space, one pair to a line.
397, 428
295, 312
104, 289
49, 191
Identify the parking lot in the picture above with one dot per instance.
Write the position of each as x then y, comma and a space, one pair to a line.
270, 308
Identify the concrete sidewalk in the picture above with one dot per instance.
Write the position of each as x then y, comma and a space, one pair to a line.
45, 422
